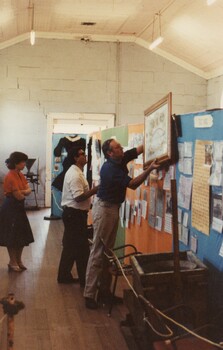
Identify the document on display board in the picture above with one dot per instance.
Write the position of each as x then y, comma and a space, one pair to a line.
158, 224
144, 204
221, 250
188, 149
139, 213
122, 214
160, 202
216, 162
217, 212
217, 225
135, 140
152, 220
201, 189
185, 219
132, 211
127, 213
216, 174
181, 150
144, 209
169, 175
180, 231
187, 166
179, 215
185, 235
184, 192
152, 200
193, 244
168, 223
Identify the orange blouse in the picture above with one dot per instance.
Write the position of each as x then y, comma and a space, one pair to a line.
14, 181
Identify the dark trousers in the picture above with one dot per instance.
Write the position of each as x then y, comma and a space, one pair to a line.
75, 244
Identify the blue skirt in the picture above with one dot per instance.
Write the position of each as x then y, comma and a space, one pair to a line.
15, 230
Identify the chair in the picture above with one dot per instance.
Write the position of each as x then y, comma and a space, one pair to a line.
119, 265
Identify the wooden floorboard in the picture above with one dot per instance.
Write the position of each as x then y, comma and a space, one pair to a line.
55, 317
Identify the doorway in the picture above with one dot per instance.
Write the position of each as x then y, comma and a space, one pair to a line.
78, 123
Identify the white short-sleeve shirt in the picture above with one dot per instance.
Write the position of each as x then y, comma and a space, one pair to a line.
74, 185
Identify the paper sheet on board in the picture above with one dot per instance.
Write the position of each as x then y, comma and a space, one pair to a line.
201, 189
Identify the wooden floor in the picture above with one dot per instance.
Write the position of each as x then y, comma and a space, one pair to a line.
55, 317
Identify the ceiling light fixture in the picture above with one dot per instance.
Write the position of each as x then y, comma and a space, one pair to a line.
159, 39
32, 32
32, 37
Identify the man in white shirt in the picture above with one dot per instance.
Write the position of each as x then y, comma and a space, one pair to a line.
76, 204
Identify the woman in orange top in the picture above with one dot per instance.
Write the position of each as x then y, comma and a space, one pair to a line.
15, 230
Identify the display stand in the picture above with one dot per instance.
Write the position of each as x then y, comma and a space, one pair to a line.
33, 179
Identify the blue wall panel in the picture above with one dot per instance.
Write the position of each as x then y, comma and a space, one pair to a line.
208, 246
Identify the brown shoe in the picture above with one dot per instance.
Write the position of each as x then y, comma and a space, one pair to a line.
14, 268
22, 267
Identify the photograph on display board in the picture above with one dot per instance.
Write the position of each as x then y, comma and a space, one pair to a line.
157, 142
217, 212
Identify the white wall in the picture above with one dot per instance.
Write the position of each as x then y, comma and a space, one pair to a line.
146, 77
56, 76
215, 93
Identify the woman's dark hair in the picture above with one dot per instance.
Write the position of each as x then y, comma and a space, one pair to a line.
7, 162
15, 158
106, 147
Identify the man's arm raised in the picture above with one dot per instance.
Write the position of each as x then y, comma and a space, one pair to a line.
137, 181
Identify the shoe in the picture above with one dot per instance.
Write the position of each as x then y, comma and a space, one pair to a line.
117, 300
22, 267
107, 299
14, 268
90, 303
128, 322
68, 280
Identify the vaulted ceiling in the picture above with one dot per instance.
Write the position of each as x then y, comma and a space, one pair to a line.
191, 29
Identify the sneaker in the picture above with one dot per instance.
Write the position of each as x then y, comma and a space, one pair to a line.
90, 303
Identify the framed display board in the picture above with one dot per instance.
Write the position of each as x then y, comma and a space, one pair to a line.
158, 136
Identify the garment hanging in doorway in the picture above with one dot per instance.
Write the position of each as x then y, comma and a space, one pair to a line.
66, 143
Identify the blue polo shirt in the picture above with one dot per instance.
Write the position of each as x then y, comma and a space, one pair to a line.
114, 178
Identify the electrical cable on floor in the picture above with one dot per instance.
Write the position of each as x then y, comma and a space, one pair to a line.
55, 200
161, 313
2, 319
2, 339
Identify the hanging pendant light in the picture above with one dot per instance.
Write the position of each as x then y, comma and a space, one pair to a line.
32, 32
159, 39
32, 37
